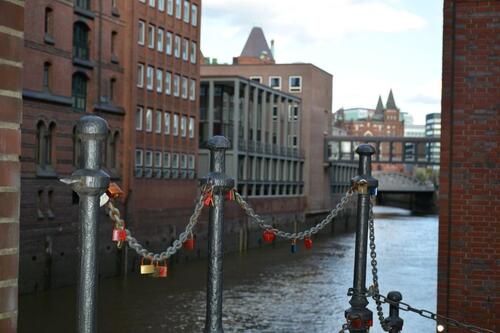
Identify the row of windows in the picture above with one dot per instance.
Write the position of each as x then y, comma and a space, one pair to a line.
294, 82
158, 159
164, 119
182, 86
190, 11
163, 41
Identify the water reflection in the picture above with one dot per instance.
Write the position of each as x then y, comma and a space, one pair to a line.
266, 290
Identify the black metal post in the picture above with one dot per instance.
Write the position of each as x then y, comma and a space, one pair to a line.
394, 321
358, 315
220, 183
90, 182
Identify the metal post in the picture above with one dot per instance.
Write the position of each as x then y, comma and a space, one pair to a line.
393, 321
359, 317
220, 183
90, 182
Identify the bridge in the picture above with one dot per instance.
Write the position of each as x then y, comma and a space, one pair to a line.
395, 182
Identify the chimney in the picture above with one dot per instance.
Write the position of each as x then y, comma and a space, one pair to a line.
272, 48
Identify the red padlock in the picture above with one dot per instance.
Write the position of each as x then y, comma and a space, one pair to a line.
209, 200
230, 195
161, 270
189, 243
119, 235
308, 243
268, 236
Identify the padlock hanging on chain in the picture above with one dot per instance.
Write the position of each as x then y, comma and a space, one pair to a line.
147, 268
268, 236
230, 195
161, 271
119, 234
209, 200
308, 243
189, 243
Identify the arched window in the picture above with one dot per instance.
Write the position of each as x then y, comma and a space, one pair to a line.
80, 41
46, 76
79, 91
114, 36
44, 138
112, 151
49, 22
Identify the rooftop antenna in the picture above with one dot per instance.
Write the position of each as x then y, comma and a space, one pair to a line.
272, 49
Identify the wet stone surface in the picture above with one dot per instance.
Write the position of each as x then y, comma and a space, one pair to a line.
266, 290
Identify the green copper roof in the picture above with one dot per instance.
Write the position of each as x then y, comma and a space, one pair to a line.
391, 104
380, 105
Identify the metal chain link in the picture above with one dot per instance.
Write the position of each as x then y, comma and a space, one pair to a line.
297, 235
114, 214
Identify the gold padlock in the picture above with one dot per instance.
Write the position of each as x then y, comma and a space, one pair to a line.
147, 268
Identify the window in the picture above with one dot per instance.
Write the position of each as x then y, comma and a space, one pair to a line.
177, 79
46, 76
49, 22
185, 49
275, 82
167, 123
138, 118
166, 160
293, 141
83, 4
139, 158
79, 91
161, 5
140, 75
158, 122
149, 77
112, 151
193, 52
114, 37
149, 159
168, 83
143, 1
295, 83
191, 127
175, 160
151, 36
194, 15
293, 112
170, 7
159, 40
177, 46
256, 78
141, 33
159, 80
80, 41
176, 124
191, 161
186, 11
44, 137
178, 9
152, 3
275, 112
168, 44
183, 161
149, 120
184, 87
112, 89
158, 159
183, 126
192, 90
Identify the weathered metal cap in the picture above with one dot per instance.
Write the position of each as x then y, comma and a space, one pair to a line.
365, 149
92, 126
218, 142
395, 296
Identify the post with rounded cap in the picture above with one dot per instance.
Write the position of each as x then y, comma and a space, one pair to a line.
221, 184
394, 321
359, 317
90, 182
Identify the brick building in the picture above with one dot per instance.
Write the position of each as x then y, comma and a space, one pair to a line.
133, 63
468, 266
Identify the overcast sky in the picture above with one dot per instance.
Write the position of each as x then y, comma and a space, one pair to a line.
369, 46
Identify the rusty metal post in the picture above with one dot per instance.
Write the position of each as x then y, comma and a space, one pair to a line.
90, 182
221, 184
394, 321
359, 317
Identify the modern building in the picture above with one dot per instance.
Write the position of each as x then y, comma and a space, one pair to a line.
314, 88
134, 63
433, 129
414, 131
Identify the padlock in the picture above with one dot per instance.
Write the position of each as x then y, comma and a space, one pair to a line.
119, 235
209, 200
189, 243
114, 191
268, 236
161, 271
230, 195
293, 248
147, 268
308, 243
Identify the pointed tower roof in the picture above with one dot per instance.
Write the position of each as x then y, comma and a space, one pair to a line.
391, 104
380, 105
256, 45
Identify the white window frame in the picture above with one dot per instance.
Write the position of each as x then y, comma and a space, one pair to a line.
177, 84
151, 36
194, 15
158, 159
152, 3
292, 88
186, 11
185, 49
139, 162
275, 77
183, 126
292, 116
161, 5
175, 125
168, 43
193, 51
175, 160
159, 80
166, 122
141, 32
168, 83
170, 7
192, 89
140, 75
191, 127
159, 39
177, 46
184, 163
158, 114
273, 116
138, 118
254, 78
167, 160
191, 162
184, 87
148, 160
178, 9
143, 1
149, 77
149, 120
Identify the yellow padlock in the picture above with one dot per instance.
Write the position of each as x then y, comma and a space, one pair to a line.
147, 268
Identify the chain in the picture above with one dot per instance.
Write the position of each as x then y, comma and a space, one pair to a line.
297, 235
114, 214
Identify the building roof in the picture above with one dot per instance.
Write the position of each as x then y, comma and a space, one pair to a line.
380, 105
256, 45
391, 104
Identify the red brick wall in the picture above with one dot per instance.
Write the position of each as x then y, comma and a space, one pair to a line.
469, 231
11, 41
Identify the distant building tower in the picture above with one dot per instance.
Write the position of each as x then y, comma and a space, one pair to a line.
433, 129
256, 50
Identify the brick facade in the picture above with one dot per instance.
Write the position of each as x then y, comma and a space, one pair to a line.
11, 65
468, 266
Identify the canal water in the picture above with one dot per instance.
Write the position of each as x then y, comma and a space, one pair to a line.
266, 290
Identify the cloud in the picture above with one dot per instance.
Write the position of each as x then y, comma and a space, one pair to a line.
423, 99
